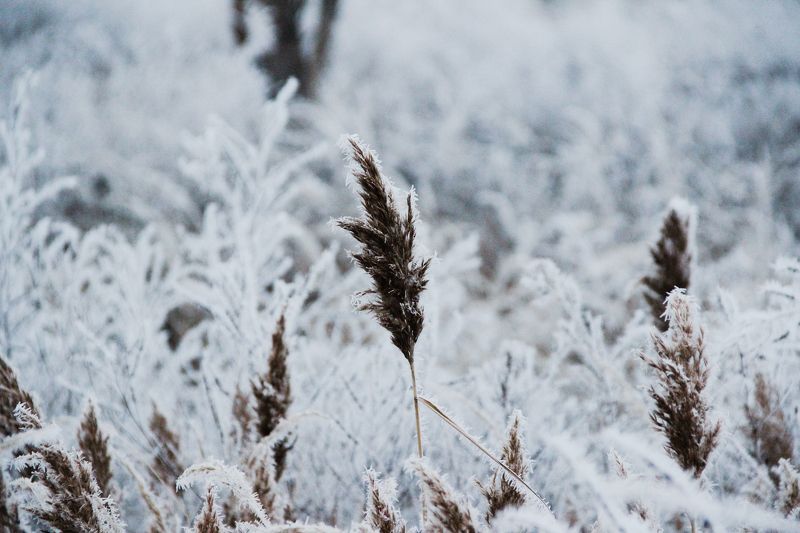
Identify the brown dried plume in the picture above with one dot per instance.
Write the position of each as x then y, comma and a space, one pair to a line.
209, 519
74, 500
11, 395
273, 395
381, 515
767, 429
672, 260
387, 253
501, 492
448, 512
94, 446
681, 411
166, 466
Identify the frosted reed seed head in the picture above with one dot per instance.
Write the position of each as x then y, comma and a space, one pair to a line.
74, 501
788, 500
12, 395
387, 251
166, 465
94, 446
272, 393
501, 492
209, 520
672, 261
447, 512
243, 413
767, 429
381, 514
681, 412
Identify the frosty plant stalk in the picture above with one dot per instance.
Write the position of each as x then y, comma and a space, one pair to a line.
387, 255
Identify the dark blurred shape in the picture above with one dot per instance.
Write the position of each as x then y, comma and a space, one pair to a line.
180, 320
287, 57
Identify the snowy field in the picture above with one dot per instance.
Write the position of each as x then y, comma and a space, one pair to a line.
184, 338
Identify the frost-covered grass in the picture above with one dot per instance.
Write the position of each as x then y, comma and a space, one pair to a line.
547, 142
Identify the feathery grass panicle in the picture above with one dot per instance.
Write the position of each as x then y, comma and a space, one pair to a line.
209, 520
381, 514
74, 501
94, 446
681, 411
166, 465
387, 251
17, 413
272, 393
448, 513
261, 472
501, 492
672, 259
788, 500
12, 395
767, 429
243, 413
387, 256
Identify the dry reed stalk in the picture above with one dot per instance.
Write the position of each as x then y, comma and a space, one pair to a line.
387, 256
681, 412
672, 258
472, 440
94, 446
501, 492
157, 522
767, 429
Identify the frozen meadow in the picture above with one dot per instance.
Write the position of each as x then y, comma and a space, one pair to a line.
552, 284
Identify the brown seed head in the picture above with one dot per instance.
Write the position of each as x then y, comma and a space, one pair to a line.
94, 446
672, 260
273, 395
387, 252
11, 395
501, 493
681, 412
381, 515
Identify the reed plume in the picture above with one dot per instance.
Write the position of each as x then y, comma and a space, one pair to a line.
272, 393
387, 256
209, 520
242, 412
448, 512
672, 260
501, 492
767, 429
74, 501
788, 500
12, 395
94, 446
13, 400
381, 515
166, 466
681, 412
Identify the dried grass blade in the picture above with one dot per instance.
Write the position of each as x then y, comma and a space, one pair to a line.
453, 424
